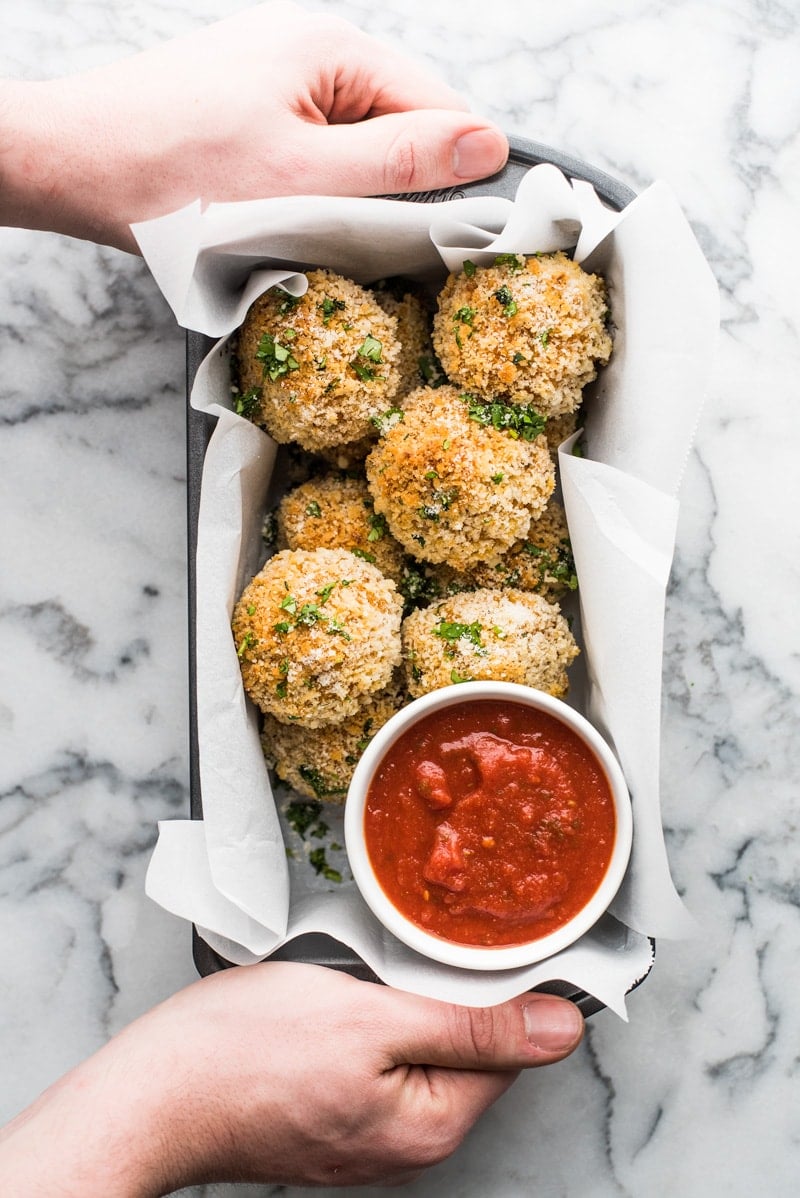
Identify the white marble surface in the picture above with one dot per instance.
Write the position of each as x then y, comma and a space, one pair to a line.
698, 1093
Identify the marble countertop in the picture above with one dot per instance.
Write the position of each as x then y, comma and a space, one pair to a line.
697, 1094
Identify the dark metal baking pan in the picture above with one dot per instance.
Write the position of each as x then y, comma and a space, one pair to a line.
317, 947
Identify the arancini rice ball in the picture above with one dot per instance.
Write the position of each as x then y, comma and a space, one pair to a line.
542, 562
454, 481
319, 762
418, 365
337, 512
317, 632
504, 636
528, 329
315, 369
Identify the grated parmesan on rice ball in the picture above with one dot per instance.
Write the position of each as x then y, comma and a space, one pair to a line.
525, 329
316, 632
337, 512
319, 762
505, 636
317, 368
453, 486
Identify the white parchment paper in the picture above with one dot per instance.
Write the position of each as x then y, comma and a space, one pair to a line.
228, 873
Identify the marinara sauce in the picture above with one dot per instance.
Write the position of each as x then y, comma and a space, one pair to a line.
489, 823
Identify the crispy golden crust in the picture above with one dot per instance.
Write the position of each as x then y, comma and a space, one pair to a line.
321, 366
317, 632
336, 512
418, 366
528, 329
542, 562
452, 489
319, 762
505, 636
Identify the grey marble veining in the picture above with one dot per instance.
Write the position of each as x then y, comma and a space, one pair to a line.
698, 1094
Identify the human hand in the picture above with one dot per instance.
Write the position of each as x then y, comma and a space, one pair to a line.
283, 1073
271, 101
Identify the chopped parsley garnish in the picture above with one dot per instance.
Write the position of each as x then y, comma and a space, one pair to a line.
515, 261
430, 371
559, 566
545, 337
288, 303
387, 420
504, 297
362, 553
319, 861
321, 788
518, 357
303, 813
247, 640
329, 307
440, 501
313, 509
465, 315
367, 354
377, 527
498, 478
452, 630
278, 360
518, 420
282, 689
469, 268
307, 615
247, 404
455, 677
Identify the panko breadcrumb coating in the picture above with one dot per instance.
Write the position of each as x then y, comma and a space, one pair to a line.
418, 365
453, 487
558, 428
528, 329
319, 762
317, 632
543, 562
337, 512
316, 369
504, 636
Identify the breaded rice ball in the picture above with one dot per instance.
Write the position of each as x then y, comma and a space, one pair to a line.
418, 365
337, 512
316, 369
453, 487
528, 329
543, 562
505, 636
319, 762
317, 632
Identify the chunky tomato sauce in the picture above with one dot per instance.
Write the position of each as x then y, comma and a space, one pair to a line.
489, 823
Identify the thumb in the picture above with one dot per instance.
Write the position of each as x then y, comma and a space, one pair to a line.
402, 151
534, 1029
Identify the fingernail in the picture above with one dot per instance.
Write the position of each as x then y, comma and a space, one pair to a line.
479, 153
552, 1024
